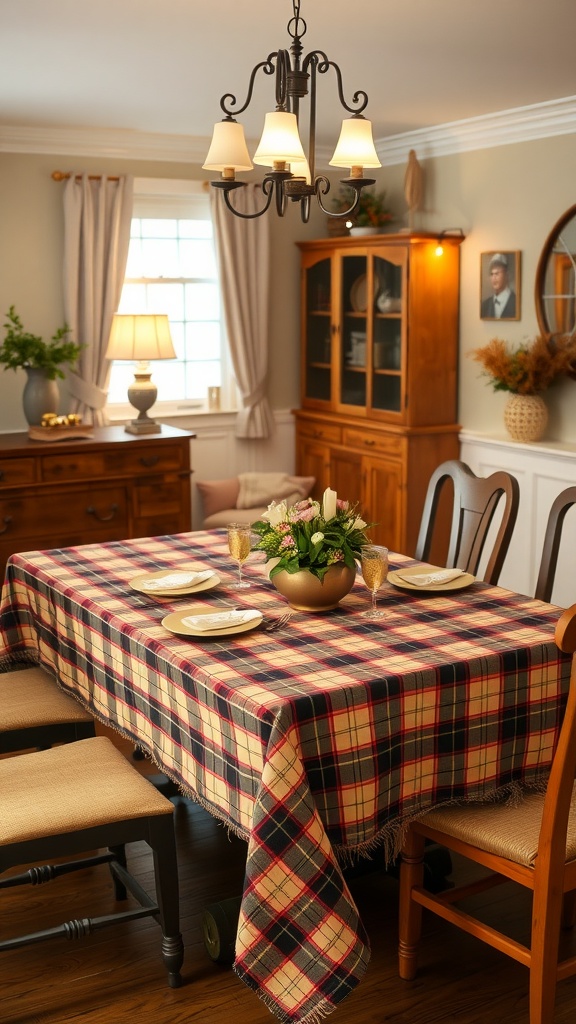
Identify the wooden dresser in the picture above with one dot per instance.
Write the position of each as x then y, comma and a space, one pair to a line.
110, 487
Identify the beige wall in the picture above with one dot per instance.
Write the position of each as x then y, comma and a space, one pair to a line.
504, 198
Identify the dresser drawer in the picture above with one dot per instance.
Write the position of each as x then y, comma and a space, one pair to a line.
72, 466
14, 472
80, 510
320, 431
372, 441
144, 460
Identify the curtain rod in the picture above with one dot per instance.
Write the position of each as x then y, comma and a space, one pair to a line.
63, 175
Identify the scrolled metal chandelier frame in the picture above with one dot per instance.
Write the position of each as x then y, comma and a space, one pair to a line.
293, 175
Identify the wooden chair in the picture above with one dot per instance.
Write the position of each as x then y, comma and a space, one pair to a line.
475, 502
34, 712
551, 546
533, 844
80, 797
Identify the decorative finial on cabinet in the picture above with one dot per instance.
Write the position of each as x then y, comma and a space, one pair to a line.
413, 187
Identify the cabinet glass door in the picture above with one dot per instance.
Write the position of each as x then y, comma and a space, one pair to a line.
354, 330
387, 354
318, 358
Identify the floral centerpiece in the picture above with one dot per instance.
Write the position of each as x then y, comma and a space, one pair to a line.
311, 535
530, 369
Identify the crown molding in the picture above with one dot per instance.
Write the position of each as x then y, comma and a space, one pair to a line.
504, 128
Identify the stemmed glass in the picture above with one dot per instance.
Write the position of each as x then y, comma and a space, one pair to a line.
374, 572
239, 545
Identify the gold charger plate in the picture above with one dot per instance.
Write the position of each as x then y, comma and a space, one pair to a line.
432, 588
359, 294
174, 624
136, 584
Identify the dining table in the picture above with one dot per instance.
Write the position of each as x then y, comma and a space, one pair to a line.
316, 742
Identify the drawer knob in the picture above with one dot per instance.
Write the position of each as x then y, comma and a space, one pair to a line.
7, 520
149, 460
91, 511
369, 443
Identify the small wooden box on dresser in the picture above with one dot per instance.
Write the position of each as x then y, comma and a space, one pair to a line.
112, 486
379, 373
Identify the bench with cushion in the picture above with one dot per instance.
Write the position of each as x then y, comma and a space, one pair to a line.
243, 498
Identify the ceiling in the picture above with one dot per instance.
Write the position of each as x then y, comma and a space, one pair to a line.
160, 66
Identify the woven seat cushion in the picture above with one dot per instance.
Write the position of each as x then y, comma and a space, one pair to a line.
507, 831
31, 697
72, 787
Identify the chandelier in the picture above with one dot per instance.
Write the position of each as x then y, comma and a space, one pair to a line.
293, 175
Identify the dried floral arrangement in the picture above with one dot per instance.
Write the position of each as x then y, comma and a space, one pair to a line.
529, 369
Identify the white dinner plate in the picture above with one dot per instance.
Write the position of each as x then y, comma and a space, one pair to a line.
207, 584
174, 624
459, 583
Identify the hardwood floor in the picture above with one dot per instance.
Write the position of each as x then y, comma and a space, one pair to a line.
116, 976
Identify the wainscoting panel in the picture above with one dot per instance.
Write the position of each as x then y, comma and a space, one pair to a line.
542, 470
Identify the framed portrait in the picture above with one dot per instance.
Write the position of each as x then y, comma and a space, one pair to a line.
500, 285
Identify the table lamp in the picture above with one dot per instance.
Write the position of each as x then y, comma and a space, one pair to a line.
141, 337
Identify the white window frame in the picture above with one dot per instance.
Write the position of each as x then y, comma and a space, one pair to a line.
167, 197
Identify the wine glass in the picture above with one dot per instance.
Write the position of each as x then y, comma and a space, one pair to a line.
374, 571
240, 546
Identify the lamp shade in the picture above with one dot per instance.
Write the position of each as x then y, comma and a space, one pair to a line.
280, 140
140, 337
228, 148
355, 147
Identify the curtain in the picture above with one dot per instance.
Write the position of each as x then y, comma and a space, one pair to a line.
243, 253
97, 218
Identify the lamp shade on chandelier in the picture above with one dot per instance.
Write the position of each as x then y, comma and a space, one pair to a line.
293, 171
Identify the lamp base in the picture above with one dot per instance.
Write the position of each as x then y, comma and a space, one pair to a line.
143, 427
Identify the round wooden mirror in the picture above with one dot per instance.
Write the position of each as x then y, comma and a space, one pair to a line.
556, 278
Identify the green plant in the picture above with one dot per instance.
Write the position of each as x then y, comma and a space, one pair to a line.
311, 535
371, 210
21, 349
530, 369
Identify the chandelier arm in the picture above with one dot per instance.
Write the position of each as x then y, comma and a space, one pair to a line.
359, 99
322, 187
229, 99
268, 190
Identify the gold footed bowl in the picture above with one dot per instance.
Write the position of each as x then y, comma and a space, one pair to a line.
306, 593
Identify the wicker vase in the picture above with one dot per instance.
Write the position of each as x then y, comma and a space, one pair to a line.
526, 417
307, 593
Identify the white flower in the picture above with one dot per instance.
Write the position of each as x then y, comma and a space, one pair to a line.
358, 524
316, 538
329, 504
275, 513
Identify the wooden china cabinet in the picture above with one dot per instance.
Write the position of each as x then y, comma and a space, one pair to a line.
379, 373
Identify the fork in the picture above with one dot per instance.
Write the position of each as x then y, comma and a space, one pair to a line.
278, 623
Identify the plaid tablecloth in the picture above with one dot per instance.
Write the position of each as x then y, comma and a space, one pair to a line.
315, 743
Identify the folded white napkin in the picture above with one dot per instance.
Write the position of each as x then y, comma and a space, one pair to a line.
429, 578
176, 580
220, 620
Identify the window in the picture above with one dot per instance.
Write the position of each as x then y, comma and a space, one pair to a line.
171, 269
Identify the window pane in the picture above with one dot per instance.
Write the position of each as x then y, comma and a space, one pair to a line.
202, 302
160, 258
172, 269
197, 258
